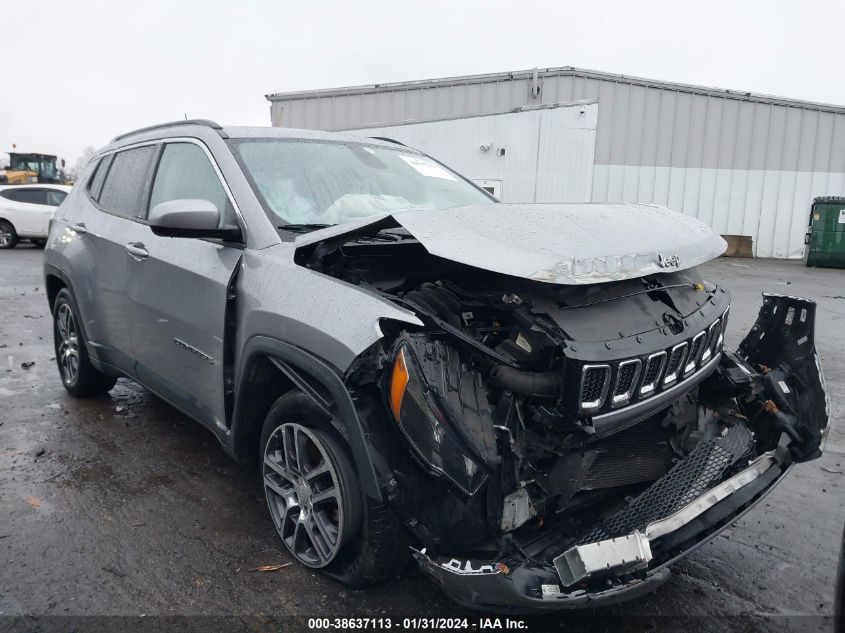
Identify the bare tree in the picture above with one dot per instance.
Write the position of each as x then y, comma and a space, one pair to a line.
75, 171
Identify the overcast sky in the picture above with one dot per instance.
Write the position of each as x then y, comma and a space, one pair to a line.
78, 72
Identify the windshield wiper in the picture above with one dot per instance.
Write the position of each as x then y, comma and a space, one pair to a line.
303, 228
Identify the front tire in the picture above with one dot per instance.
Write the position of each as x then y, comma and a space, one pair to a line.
311, 487
8, 236
78, 376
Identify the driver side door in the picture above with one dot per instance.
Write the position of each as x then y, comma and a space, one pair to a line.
178, 291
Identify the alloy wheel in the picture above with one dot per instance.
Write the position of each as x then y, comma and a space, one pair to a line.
67, 344
5, 235
304, 494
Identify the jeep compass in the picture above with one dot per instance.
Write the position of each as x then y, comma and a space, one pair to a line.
532, 401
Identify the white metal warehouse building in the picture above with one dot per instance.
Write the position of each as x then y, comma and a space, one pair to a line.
747, 164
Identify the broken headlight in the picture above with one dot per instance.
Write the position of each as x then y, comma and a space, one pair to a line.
426, 428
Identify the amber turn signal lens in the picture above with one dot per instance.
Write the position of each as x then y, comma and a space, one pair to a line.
398, 382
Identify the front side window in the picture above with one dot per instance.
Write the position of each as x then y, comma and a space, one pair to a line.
125, 189
184, 172
314, 182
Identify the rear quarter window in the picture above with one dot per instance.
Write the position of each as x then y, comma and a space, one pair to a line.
95, 183
127, 183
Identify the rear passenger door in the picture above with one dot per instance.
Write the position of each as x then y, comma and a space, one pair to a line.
178, 291
107, 228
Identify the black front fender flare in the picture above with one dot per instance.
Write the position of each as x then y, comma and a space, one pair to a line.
321, 382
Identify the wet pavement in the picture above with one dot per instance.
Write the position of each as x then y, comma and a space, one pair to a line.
121, 506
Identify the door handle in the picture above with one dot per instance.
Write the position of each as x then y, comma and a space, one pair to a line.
137, 250
79, 227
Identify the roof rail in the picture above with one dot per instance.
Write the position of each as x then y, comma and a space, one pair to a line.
204, 122
388, 140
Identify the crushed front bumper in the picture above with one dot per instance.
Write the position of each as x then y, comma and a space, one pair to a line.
516, 592
533, 588
628, 554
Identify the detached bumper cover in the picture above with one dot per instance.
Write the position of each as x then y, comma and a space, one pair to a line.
782, 345
627, 555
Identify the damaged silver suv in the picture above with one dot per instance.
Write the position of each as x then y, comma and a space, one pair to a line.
532, 401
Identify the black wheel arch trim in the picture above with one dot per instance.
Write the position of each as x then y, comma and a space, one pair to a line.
55, 271
323, 384
51, 270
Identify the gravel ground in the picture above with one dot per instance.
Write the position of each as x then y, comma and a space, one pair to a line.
121, 506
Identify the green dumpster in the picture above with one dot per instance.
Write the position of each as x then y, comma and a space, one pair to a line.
825, 238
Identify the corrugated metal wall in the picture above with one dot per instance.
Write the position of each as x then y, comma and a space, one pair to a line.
747, 164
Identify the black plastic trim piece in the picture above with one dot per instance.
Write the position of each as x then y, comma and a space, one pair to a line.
55, 271
229, 337
306, 369
303, 384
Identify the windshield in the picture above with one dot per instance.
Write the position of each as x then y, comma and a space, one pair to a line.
316, 183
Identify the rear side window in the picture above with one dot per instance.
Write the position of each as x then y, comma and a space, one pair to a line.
95, 185
184, 172
29, 196
125, 190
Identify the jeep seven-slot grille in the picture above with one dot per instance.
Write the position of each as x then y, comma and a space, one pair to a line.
619, 383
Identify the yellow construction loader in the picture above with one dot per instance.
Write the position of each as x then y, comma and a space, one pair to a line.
31, 168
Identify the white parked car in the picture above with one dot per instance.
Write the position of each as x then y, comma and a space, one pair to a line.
26, 212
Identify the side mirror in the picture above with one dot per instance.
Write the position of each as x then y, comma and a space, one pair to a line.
190, 218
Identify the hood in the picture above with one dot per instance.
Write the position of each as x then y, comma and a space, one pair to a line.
567, 244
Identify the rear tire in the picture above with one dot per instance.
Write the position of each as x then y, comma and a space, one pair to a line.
78, 375
367, 543
8, 236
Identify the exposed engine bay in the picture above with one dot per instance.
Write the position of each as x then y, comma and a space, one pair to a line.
526, 423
